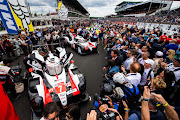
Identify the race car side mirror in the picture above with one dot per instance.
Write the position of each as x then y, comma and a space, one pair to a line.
30, 70
72, 61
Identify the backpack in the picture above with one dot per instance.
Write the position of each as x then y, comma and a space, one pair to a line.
132, 98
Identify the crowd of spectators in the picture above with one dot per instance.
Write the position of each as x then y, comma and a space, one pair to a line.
164, 17
140, 62
142, 79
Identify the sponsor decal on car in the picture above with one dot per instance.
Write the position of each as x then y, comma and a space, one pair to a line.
71, 91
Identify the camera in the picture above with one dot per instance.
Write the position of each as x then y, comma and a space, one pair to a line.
109, 115
101, 100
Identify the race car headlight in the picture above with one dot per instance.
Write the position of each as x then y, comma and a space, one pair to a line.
82, 86
86, 48
82, 83
37, 102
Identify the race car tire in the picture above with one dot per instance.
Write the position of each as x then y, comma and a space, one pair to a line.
79, 50
85, 97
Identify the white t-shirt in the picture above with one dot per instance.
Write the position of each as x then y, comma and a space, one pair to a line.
128, 62
144, 77
175, 70
55, 37
48, 37
42, 118
133, 78
4, 70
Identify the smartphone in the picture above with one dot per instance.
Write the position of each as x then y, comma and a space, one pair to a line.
149, 84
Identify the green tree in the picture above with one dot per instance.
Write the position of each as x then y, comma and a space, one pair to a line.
35, 14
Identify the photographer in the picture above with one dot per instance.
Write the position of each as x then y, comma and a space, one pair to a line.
105, 104
105, 97
126, 91
114, 69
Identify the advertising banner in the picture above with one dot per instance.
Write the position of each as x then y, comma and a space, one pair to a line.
21, 14
62, 11
7, 17
14, 13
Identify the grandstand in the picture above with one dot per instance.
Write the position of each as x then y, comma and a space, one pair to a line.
142, 8
123, 5
75, 9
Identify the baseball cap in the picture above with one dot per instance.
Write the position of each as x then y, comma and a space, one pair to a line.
121, 40
159, 53
149, 61
119, 78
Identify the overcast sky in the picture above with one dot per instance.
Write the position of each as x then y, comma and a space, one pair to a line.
96, 8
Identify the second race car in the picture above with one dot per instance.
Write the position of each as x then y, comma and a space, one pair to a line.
83, 46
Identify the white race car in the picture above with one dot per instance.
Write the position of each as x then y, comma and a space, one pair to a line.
83, 46
53, 78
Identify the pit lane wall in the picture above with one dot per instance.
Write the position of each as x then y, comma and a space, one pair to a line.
169, 29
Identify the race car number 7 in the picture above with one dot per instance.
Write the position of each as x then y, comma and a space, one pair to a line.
60, 88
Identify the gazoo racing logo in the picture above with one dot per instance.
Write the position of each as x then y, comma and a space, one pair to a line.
7, 17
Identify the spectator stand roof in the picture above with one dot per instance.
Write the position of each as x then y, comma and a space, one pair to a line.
144, 6
127, 2
76, 5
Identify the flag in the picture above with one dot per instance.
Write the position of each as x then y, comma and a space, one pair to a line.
14, 13
7, 110
7, 17
21, 14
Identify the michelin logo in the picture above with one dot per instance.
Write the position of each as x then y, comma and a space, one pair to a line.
7, 17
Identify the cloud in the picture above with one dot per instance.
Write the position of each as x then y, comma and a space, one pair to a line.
37, 4
96, 8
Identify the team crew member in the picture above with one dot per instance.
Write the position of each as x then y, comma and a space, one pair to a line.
8, 46
5, 76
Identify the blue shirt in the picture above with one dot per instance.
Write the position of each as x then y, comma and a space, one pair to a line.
115, 69
171, 46
133, 117
138, 39
146, 37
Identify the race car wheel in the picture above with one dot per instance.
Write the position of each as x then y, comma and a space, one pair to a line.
85, 97
79, 50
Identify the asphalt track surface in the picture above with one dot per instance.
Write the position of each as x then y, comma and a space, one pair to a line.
90, 65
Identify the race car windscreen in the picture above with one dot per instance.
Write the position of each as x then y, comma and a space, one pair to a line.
54, 68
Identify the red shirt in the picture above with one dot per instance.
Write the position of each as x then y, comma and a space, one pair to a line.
163, 37
168, 39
